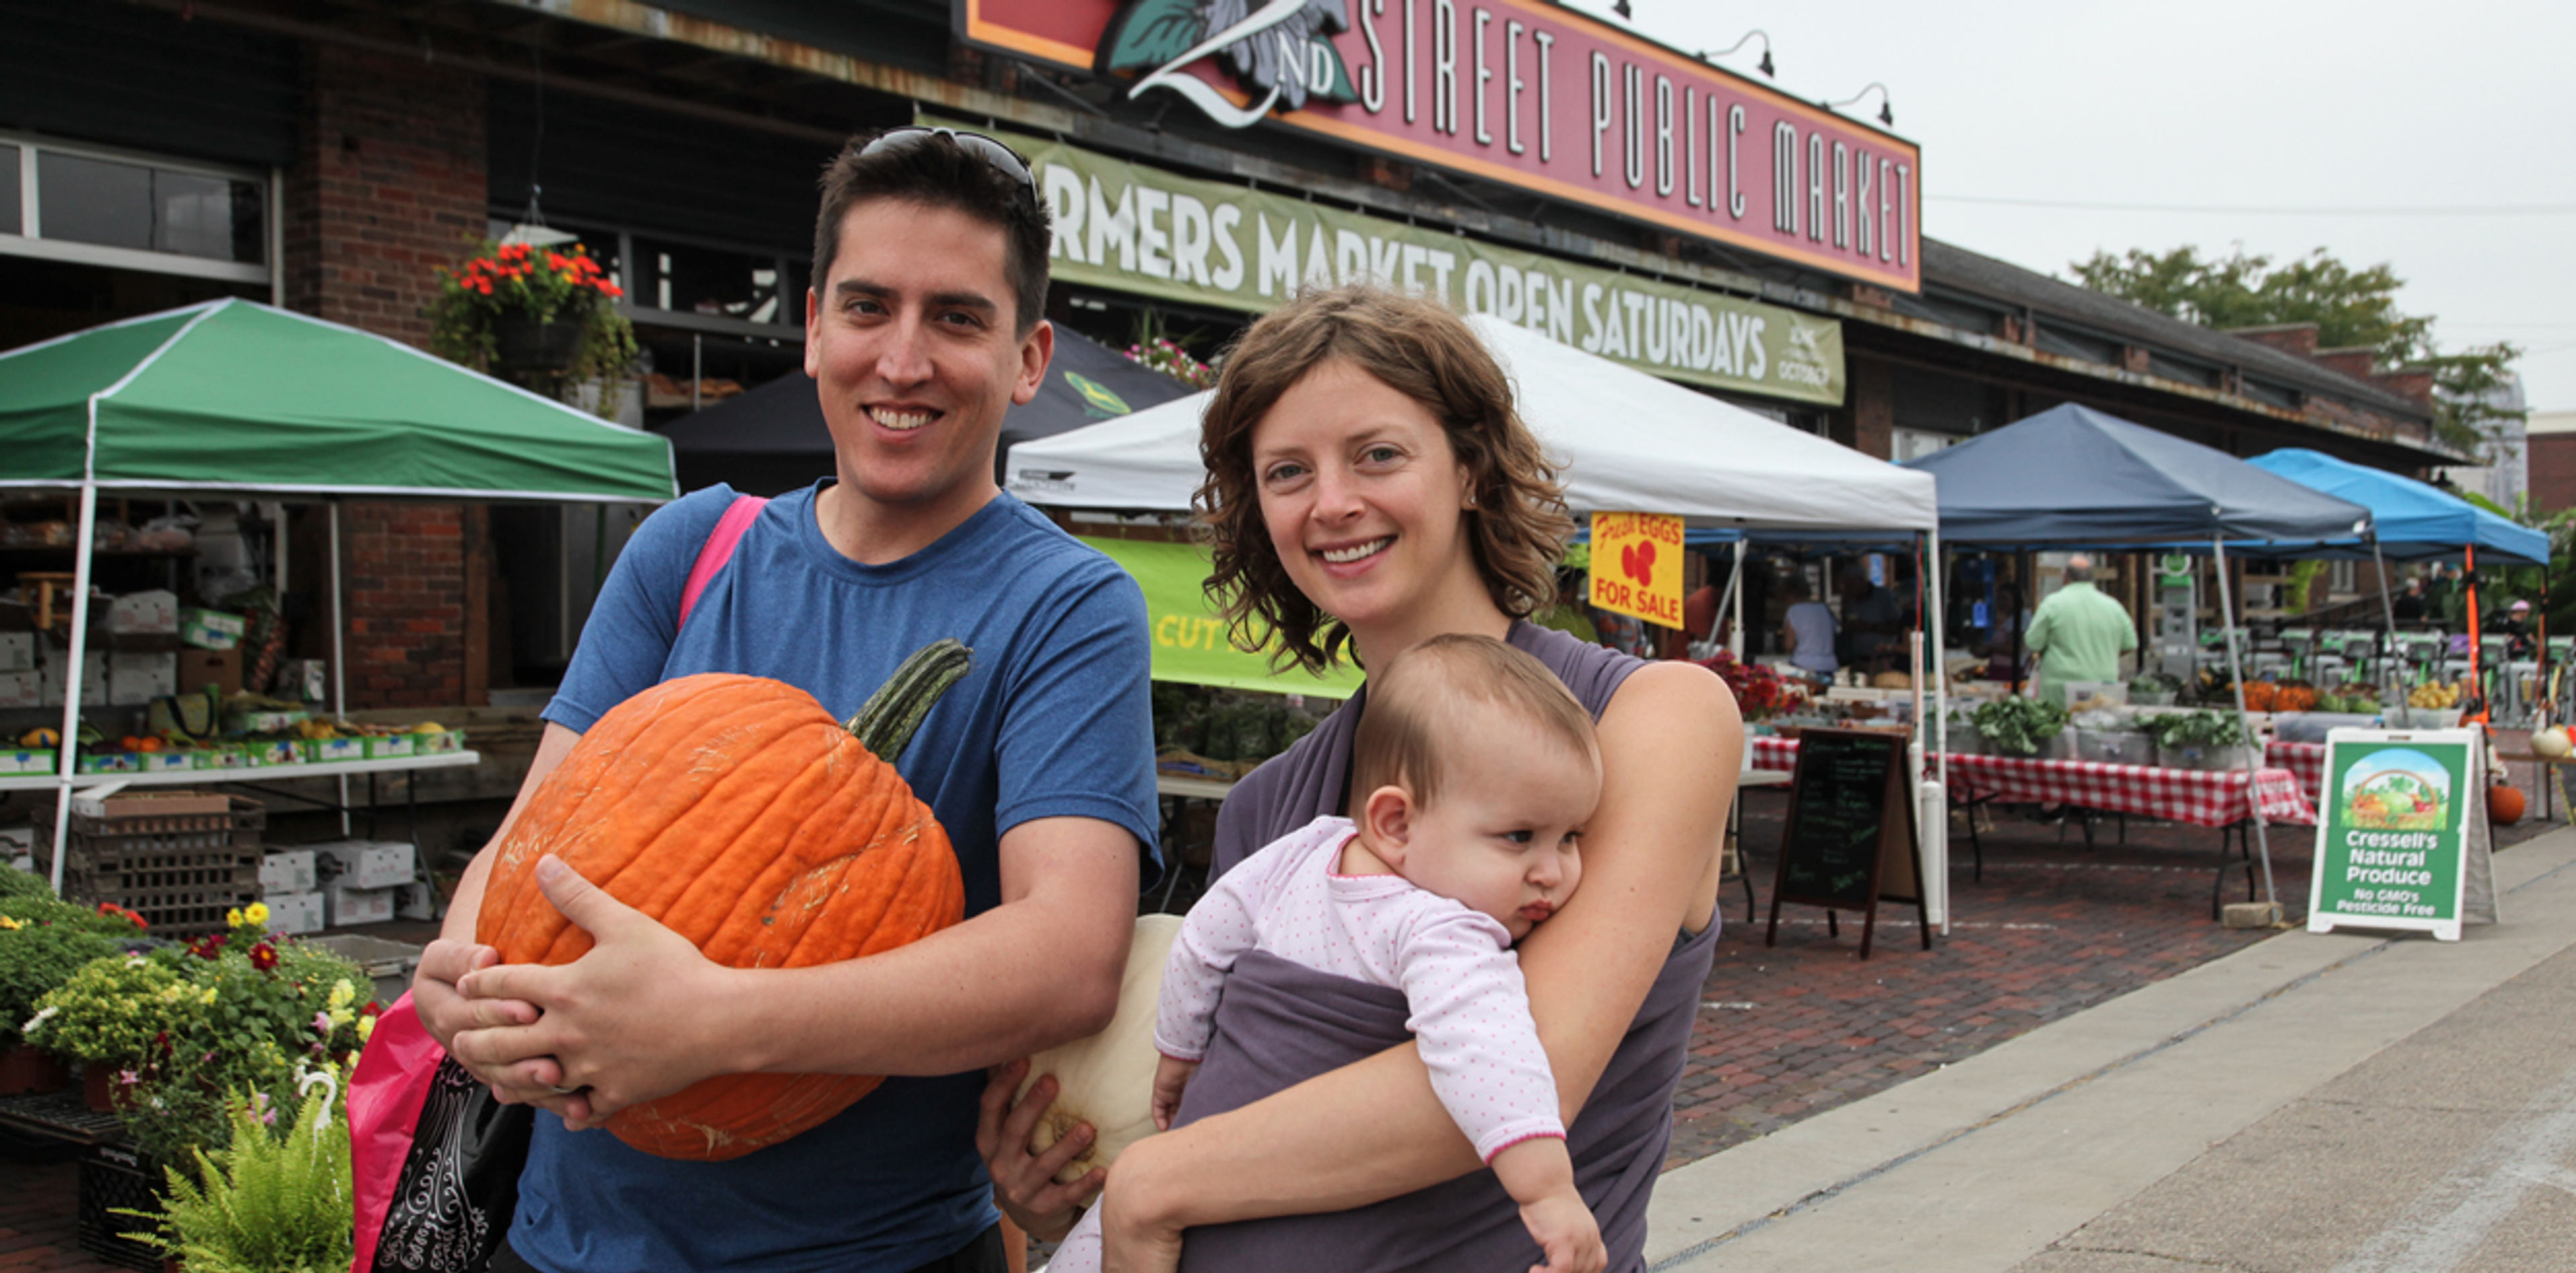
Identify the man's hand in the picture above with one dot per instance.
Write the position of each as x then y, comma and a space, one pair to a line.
514, 1079
630, 1021
1024, 1183
1170, 1078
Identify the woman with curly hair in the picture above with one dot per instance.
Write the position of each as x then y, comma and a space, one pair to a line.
1370, 485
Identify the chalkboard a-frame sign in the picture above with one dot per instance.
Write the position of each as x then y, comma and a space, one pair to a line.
1850, 838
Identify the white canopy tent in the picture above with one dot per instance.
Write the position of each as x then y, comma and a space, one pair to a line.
1625, 441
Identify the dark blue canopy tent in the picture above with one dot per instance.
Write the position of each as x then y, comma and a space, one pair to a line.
2073, 477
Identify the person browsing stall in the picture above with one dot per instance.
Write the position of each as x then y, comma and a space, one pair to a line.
922, 328
2079, 633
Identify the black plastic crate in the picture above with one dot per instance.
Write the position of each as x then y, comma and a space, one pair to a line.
113, 1179
182, 873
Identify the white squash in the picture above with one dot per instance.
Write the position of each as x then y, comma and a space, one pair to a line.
1107, 1080
2550, 742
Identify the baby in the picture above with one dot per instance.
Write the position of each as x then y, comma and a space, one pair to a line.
1472, 774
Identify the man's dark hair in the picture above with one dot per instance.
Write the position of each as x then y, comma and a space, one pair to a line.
939, 173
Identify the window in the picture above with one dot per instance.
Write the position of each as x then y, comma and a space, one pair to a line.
135, 212
1914, 444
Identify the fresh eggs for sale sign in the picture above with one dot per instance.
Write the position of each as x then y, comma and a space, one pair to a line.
2401, 828
1637, 566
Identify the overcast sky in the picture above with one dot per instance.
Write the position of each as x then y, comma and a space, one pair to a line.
2363, 105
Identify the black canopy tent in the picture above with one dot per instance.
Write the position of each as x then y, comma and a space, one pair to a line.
2072, 477
772, 440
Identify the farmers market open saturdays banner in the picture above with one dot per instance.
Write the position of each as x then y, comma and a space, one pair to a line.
1135, 229
1190, 647
2402, 836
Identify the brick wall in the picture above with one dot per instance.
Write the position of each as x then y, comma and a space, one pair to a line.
2552, 457
390, 185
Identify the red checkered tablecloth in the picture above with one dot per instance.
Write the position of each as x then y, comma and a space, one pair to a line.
2199, 797
2307, 760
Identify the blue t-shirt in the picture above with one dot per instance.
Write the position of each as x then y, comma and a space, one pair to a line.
1054, 720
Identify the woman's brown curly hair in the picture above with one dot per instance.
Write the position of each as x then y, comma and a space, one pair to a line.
1518, 525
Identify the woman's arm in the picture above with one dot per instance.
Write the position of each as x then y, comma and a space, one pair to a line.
1671, 745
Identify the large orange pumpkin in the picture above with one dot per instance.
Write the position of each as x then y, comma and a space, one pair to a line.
738, 813
2504, 805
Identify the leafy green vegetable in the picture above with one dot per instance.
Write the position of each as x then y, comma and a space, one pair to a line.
2017, 726
2196, 729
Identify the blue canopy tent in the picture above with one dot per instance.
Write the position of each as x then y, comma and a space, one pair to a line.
2414, 522
2073, 477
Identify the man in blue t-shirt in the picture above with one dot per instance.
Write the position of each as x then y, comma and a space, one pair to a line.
922, 328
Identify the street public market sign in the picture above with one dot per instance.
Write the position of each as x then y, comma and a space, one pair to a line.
1521, 92
1131, 228
2402, 838
1637, 566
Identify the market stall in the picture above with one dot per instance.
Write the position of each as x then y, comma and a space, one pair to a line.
233, 400
2072, 477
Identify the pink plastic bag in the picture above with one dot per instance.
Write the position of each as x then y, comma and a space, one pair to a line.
385, 1097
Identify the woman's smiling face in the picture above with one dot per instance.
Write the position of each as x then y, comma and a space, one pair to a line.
1363, 499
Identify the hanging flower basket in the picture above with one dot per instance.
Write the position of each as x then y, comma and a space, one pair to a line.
524, 344
544, 318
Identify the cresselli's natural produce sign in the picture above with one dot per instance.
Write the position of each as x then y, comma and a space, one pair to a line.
2391, 850
1522, 92
1131, 228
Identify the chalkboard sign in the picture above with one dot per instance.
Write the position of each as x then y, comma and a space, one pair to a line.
1850, 837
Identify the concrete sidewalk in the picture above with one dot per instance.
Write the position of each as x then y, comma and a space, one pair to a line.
2181, 1126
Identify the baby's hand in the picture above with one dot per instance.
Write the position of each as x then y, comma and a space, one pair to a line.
1170, 1076
1566, 1232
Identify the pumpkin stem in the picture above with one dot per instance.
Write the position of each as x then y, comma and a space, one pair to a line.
885, 724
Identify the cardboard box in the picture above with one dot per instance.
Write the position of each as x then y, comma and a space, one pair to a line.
136, 679
211, 629
17, 651
165, 762
366, 863
344, 904
306, 679
415, 901
93, 679
156, 611
299, 912
321, 750
201, 668
390, 746
152, 804
36, 761
272, 751
22, 689
289, 871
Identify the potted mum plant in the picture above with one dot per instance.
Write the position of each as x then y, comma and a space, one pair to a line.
42, 943
541, 317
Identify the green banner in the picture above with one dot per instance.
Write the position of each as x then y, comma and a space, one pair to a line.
1189, 638
2391, 849
1135, 229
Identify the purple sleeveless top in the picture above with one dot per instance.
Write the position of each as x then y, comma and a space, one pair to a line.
1280, 1023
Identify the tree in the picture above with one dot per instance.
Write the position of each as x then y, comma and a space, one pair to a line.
2351, 308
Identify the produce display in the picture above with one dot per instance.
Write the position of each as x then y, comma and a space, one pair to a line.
1107, 1080
2017, 726
2195, 729
738, 813
2434, 694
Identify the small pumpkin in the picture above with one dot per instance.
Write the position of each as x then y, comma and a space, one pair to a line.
1107, 1080
740, 815
2259, 695
2504, 805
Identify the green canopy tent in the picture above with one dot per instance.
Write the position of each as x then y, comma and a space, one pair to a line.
233, 397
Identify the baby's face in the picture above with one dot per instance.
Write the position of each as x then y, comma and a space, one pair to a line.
1502, 835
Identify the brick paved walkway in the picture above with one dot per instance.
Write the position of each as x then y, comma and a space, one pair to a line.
1799, 1028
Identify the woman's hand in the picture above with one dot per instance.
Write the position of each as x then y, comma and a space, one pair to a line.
1134, 1238
1024, 1183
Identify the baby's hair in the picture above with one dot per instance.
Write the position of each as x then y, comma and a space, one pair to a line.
1414, 702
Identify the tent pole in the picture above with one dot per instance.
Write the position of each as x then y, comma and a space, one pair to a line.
1735, 589
2244, 723
66, 756
2021, 597
2477, 683
339, 653
2388, 612
1937, 612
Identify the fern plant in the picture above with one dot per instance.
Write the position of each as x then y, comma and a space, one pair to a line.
276, 1201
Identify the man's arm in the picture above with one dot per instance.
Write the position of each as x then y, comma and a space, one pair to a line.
644, 1014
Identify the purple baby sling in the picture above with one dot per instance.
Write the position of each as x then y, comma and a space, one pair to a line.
1280, 1023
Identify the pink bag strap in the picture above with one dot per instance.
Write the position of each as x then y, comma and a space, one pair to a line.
719, 549
386, 1093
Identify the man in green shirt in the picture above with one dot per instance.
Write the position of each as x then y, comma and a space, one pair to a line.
2078, 633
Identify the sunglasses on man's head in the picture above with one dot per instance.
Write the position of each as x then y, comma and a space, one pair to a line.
896, 141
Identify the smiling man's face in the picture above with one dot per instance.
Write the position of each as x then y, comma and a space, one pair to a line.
912, 341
